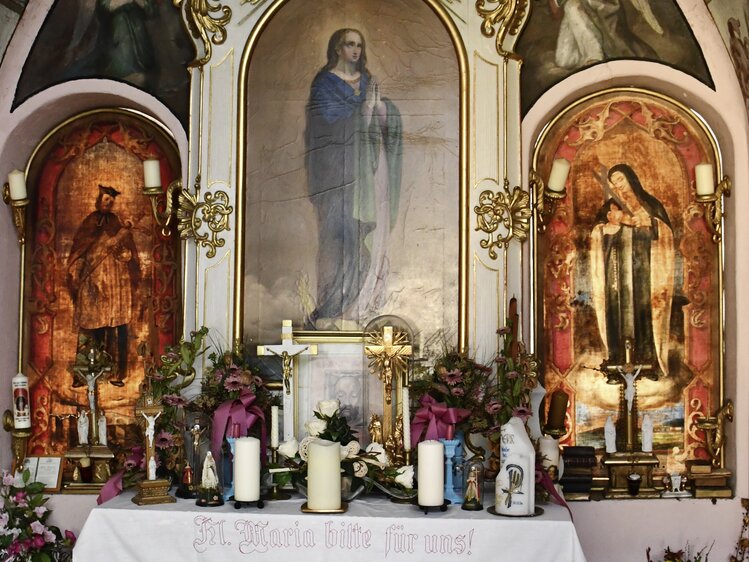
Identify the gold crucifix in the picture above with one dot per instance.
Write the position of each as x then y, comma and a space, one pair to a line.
388, 352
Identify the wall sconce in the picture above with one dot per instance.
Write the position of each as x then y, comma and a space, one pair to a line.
710, 196
15, 195
152, 188
547, 194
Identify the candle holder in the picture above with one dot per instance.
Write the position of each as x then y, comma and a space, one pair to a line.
713, 208
18, 208
164, 219
19, 440
275, 493
342, 509
545, 200
427, 508
260, 504
451, 446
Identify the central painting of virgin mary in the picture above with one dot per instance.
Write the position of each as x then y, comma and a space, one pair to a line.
352, 175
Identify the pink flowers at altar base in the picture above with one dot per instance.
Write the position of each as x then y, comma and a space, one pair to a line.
24, 533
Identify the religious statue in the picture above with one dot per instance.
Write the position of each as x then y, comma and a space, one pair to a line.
102, 429
196, 431
647, 434
609, 432
150, 426
471, 493
209, 479
375, 429
286, 363
82, 428
152, 468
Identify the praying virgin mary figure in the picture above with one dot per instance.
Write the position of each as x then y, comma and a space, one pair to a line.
632, 272
353, 160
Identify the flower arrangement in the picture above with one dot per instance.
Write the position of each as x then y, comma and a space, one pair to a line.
24, 533
366, 468
683, 555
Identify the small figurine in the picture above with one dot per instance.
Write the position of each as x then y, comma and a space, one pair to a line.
102, 429
647, 434
82, 428
610, 435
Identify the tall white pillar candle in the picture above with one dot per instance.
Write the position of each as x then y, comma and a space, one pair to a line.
703, 179
406, 419
548, 447
151, 173
21, 402
560, 169
274, 427
247, 469
324, 475
17, 185
431, 473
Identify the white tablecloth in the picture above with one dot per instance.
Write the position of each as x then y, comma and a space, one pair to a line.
372, 529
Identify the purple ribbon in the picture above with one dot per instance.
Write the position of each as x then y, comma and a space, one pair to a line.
434, 418
240, 411
111, 489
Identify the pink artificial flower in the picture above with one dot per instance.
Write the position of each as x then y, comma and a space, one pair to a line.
452, 377
500, 360
49, 536
37, 527
20, 499
174, 400
39, 511
457, 391
512, 375
70, 537
37, 542
522, 412
129, 464
493, 407
7, 478
164, 440
232, 383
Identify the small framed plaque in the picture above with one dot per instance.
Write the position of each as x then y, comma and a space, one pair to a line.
46, 469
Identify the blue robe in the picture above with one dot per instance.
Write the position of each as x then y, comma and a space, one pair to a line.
343, 153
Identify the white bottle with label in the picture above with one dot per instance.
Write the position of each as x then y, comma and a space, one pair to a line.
21, 402
515, 488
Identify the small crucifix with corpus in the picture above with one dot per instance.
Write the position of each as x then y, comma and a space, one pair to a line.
629, 373
388, 352
97, 364
287, 350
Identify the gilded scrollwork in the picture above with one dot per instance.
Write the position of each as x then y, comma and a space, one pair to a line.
697, 251
660, 126
213, 211
503, 18
205, 19
510, 209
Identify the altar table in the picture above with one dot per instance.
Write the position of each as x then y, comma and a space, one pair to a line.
373, 529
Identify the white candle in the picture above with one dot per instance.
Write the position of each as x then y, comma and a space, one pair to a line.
324, 475
21, 402
703, 179
431, 473
151, 173
274, 427
17, 183
548, 447
406, 420
560, 169
247, 469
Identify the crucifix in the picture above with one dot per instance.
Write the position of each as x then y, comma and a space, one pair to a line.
629, 374
287, 350
388, 352
149, 411
91, 371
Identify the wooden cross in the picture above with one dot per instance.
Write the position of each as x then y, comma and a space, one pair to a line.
387, 352
287, 350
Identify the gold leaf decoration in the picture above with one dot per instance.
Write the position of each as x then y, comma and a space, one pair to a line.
510, 209
214, 212
504, 15
201, 20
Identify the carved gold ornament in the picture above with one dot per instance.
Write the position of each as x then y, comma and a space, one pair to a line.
510, 209
507, 15
199, 15
214, 211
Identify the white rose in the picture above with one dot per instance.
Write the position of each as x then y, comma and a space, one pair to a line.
315, 427
328, 407
360, 469
304, 447
352, 449
405, 476
379, 451
289, 448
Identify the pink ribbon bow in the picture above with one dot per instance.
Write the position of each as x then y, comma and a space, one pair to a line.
434, 417
239, 411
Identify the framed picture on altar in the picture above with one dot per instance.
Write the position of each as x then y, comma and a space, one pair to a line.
338, 371
352, 184
628, 267
46, 469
